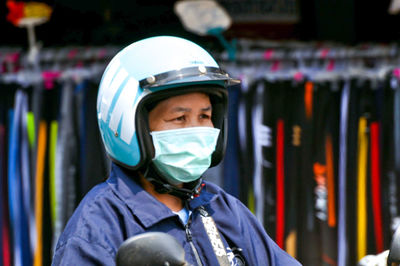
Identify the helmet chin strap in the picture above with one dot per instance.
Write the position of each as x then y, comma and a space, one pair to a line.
190, 191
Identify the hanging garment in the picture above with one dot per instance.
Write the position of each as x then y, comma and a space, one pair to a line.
390, 143
389, 183
266, 133
362, 188
37, 102
325, 125
13, 195
376, 184
330, 176
369, 214
28, 207
317, 108
350, 176
6, 104
321, 104
43, 172
34, 113
231, 161
18, 216
396, 111
246, 158
332, 163
93, 161
331, 146
260, 138
4, 242
308, 235
294, 122
280, 183
52, 175
375, 165
307, 155
2, 143
39, 191
66, 168
282, 118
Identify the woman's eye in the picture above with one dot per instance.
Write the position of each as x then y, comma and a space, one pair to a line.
205, 116
180, 118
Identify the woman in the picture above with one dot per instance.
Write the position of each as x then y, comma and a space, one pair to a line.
162, 107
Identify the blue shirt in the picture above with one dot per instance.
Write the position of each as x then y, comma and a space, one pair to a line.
120, 208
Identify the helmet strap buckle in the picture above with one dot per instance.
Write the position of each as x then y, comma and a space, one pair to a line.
164, 188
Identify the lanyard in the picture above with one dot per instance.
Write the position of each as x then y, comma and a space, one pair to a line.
214, 237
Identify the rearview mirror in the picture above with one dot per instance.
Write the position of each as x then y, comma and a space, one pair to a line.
153, 248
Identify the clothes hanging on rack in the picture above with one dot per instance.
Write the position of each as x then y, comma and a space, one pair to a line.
6, 104
43, 192
338, 215
294, 155
342, 187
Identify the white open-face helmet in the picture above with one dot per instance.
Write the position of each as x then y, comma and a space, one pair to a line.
148, 71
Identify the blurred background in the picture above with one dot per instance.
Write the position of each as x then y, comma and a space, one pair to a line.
314, 127
121, 22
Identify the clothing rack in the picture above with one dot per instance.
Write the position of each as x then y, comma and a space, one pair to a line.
290, 120
65, 87
248, 51
316, 61
270, 50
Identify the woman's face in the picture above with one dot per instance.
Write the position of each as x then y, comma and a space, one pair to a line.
187, 110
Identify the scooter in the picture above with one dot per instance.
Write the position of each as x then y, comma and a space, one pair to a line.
161, 249
151, 249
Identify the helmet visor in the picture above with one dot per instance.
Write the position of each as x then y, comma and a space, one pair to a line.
187, 75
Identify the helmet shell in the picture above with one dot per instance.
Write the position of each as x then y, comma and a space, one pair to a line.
143, 68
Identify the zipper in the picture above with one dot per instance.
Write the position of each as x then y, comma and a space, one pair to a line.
189, 238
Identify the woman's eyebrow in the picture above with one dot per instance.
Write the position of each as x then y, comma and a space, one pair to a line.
180, 109
206, 109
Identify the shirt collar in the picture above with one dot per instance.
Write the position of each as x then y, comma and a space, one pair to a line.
203, 199
143, 205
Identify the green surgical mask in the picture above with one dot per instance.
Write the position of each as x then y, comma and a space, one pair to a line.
183, 155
